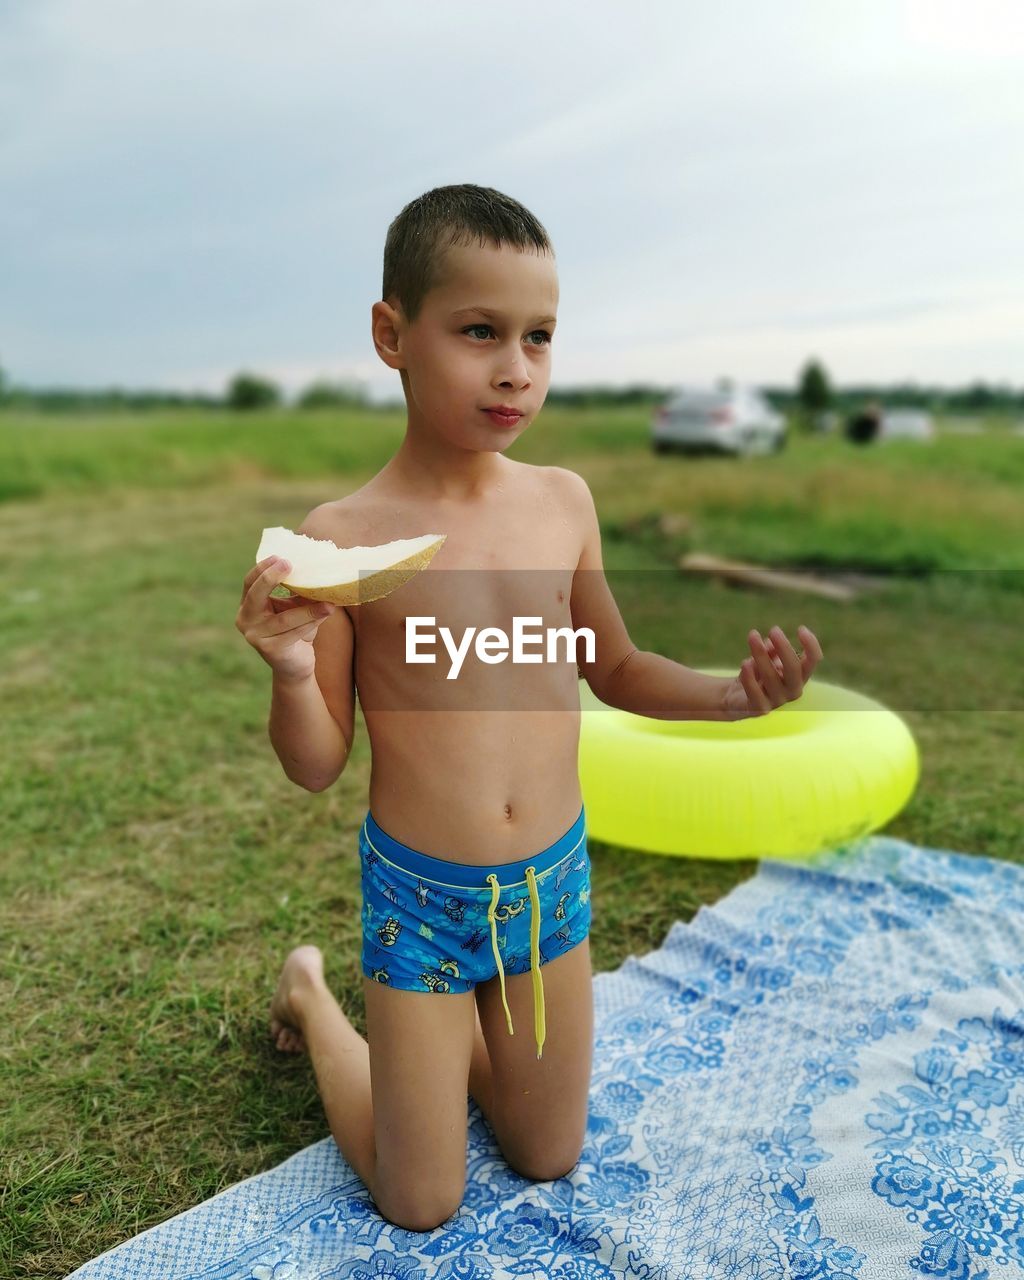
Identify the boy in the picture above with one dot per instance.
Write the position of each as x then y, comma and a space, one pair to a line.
459, 801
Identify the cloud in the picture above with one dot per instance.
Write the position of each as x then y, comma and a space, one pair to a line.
211, 187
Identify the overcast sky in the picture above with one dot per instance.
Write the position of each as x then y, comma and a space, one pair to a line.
193, 188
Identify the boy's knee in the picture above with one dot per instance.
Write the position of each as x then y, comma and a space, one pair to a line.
549, 1169
420, 1211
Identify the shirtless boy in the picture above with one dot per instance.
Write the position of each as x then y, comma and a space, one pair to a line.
475, 872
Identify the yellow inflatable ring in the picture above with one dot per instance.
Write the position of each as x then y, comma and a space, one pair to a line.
828, 768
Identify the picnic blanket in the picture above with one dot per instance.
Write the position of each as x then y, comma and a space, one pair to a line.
821, 1075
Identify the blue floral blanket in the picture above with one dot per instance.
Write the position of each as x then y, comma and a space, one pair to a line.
822, 1075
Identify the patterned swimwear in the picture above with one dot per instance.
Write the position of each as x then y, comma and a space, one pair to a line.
425, 918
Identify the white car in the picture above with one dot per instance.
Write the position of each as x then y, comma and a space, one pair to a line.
907, 424
728, 418
873, 424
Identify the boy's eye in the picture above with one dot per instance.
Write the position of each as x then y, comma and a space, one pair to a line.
490, 329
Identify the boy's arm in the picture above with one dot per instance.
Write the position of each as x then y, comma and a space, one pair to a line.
622, 675
311, 720
308, 740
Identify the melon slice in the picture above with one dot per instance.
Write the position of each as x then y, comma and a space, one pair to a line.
321, 570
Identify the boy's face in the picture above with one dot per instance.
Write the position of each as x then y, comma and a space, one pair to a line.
457, 361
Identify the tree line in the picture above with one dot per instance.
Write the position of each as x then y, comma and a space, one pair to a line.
813, 394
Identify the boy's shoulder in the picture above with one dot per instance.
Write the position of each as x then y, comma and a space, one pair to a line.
568, 483
571, 481
351, 520
574, 491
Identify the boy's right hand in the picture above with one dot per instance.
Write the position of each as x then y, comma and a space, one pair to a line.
281, 630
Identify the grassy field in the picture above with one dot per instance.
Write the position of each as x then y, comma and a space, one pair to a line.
157, 865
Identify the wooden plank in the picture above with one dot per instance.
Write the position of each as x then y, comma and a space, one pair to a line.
759, 576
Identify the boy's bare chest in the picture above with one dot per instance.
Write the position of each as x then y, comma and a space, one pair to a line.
513, 556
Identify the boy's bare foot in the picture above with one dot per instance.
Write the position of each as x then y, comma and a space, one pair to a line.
303, 969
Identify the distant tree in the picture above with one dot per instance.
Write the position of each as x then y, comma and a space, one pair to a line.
247, 391
815, 393
813, 397
3, 384
979, 396
332, 395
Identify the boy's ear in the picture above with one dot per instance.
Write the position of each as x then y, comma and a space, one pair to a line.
384, 332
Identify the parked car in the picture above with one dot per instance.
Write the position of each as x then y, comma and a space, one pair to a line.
728, 418
907, 424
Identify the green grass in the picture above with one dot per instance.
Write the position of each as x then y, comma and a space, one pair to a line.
158, 865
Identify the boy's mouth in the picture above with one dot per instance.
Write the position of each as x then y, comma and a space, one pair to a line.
502, 419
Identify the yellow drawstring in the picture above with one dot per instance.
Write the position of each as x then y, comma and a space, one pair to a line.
538, 985
495, 889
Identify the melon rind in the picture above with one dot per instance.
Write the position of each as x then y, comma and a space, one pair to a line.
321, 570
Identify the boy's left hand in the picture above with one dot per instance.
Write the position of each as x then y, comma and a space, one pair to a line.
774, 674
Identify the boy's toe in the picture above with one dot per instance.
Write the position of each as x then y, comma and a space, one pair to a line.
286, 1038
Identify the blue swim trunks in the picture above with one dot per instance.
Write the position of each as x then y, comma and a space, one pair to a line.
433, 925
